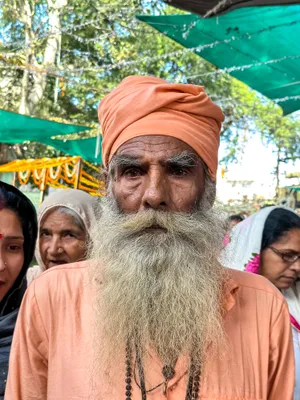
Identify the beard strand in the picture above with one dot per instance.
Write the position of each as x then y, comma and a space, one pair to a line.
162, 289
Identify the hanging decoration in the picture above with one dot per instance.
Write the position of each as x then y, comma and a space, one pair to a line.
59, 173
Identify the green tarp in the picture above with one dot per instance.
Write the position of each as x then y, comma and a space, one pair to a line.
262, 42
17, 128
85, 148
295, 188
216, 7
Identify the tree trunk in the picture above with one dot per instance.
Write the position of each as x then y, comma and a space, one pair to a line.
51, 50
3, 153
24, 108
29, 36
56, 86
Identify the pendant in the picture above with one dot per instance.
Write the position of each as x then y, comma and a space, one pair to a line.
168, 372
165, 390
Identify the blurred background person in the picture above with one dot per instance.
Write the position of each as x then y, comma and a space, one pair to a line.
18, 233
64, 219
233, 220
268, 243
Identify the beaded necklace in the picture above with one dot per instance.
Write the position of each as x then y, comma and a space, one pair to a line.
193, 387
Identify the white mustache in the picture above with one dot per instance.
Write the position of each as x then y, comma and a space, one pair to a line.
147, 219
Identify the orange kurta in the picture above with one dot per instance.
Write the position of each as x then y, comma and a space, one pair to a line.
53, 350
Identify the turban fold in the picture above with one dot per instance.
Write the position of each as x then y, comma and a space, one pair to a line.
142, 106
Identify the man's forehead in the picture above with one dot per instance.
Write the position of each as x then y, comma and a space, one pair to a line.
155, 147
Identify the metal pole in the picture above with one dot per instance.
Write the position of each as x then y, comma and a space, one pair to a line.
14, 180
98, 142
78, 174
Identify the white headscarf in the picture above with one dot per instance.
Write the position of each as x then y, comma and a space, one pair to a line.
80, 202
243, 253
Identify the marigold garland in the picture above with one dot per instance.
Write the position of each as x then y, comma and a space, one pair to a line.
24, 177
59, 173
54, 175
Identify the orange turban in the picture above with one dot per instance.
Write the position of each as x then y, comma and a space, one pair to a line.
142, 106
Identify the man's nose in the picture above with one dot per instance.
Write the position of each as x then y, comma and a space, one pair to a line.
156, 193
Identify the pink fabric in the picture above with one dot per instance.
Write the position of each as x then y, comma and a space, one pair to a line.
226, 240
294, 322
253, 264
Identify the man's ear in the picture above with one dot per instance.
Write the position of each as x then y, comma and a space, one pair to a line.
104, 178
212, 197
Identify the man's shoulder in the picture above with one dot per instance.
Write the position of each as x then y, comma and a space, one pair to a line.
254, 283
62, 279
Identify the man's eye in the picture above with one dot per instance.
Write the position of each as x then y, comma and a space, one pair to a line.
132, 172
178, 171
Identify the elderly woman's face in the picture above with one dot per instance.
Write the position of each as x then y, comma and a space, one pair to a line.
11, 250
275, 264
61, 241
157, 172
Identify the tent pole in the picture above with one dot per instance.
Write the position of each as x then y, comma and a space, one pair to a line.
78, 173
97, 149
43, 186
14, 180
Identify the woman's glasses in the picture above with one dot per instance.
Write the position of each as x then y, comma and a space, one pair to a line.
288, 257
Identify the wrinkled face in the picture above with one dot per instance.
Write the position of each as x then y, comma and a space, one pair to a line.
157, 172
61, 240
11, 250
282, 273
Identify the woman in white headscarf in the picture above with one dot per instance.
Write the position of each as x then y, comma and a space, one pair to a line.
65, 219
268, 243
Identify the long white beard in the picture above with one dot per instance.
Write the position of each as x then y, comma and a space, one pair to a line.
160, 289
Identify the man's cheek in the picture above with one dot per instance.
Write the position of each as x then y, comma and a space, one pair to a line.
128, 200
184, 198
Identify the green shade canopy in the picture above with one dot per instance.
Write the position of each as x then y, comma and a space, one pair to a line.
262, 44
16, 128
85, 148
217, 7
295, 188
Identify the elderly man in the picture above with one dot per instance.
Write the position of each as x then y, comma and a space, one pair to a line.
154, 315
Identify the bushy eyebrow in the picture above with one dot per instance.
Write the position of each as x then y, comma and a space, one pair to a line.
120, 160
186, 159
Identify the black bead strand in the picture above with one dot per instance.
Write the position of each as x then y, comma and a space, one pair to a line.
128, 373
